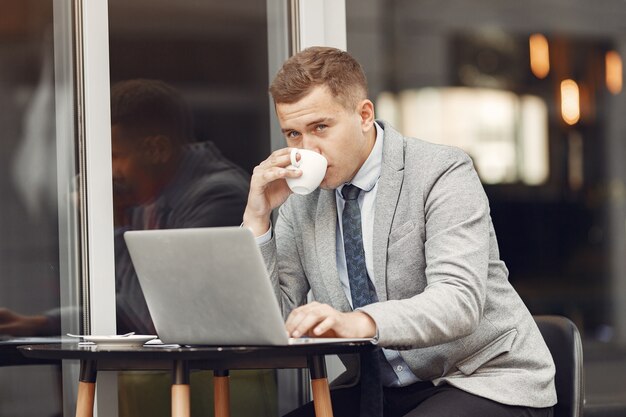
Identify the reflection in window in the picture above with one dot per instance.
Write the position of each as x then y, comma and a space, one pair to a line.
505, 134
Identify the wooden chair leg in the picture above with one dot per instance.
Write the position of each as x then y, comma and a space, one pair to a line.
321, 397
85, 400
181, 400
86, 388
319, 384
181, 395
221, 390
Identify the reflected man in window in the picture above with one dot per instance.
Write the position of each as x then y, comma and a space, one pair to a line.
162, 180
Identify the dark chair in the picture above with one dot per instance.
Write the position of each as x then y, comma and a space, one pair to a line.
563, 340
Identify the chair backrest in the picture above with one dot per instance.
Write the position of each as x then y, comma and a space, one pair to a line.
563, 340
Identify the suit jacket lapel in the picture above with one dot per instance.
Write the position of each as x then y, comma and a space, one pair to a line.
389, 186
326, 246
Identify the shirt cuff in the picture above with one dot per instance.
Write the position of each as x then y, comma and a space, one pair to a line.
265, 237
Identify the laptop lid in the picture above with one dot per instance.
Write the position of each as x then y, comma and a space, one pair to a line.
207, 286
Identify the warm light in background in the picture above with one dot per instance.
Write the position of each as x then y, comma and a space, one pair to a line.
539, 55
533, 140
613, 72
505, 134
570, 102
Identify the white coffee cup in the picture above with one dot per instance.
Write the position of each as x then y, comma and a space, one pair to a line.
313, 166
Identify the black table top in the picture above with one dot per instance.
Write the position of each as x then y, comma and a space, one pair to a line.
10, 356
200, 357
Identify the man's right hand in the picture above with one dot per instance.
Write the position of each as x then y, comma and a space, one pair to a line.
14, 324
268, 190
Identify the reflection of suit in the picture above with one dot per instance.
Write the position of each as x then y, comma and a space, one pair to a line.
445, 299
207, 191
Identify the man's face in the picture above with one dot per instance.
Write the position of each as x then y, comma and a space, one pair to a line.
321, 123
132, 174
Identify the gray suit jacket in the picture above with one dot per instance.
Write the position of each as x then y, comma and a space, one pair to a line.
444, 297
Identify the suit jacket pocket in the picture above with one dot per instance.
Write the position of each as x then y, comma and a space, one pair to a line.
500, 345
401, 231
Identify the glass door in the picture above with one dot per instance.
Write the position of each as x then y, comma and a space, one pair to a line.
190, 118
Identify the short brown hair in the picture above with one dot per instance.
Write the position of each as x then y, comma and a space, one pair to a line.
319, 65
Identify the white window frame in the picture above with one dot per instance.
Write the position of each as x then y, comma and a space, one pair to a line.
94, 132
322, 23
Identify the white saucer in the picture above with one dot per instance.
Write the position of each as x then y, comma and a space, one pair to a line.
119, 341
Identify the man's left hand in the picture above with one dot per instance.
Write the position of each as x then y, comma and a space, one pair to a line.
321, 320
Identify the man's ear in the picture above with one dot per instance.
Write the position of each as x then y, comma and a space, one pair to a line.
156, 149
365, 110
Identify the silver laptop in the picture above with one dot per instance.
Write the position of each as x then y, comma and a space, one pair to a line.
209, 286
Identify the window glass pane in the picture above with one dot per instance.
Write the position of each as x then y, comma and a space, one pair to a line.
190, 119
38, 202
532, 91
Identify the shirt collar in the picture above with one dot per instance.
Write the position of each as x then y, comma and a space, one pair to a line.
367, 176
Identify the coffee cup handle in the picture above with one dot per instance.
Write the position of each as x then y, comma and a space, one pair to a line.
293, 157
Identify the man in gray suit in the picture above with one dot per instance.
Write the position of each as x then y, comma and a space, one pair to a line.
457, 340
